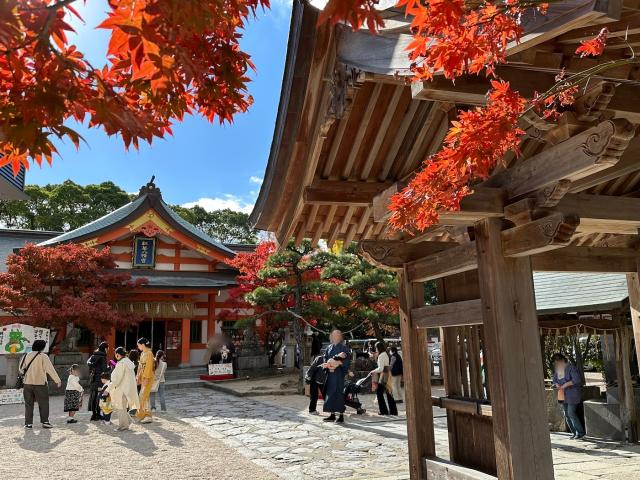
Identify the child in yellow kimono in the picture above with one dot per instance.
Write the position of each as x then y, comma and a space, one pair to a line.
145, 379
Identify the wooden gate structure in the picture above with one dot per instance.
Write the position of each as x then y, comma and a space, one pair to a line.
350, 132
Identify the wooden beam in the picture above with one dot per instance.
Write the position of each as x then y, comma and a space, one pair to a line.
461, 258
603, 213
547, 233
417, 377
523, 447
595, 149
483, 202
454, 314
627, 164
587, 259
392, 254
342, 192
472, 90
438, 469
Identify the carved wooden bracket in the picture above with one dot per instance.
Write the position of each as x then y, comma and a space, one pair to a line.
393, 254
591, 105
547, 233
344, 82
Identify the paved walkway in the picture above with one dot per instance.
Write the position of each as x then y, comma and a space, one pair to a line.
278, 434
210, 434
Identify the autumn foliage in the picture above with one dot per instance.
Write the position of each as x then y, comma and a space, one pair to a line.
52, 286
455, 38
166, 59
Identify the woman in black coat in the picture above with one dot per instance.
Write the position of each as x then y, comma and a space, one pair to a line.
97, 366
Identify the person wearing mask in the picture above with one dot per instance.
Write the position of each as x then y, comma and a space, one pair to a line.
567, 380
98, 365
122, 389
337, 360
35, 367
145, 377
396, 375
158, 381
384, 382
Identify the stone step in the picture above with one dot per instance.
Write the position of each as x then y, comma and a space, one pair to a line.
184, 383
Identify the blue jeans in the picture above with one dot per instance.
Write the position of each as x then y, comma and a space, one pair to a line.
160, 394
572, 419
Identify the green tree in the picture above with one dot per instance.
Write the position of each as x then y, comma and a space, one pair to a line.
62, 207
293, 289
226, 225
368, 295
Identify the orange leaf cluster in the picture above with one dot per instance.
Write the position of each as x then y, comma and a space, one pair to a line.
595, 46
476, 142
455, 39
166, 58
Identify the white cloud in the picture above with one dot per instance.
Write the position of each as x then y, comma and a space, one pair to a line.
220, 203
256, 180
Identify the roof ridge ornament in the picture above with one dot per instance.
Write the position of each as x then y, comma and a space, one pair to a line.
150, 189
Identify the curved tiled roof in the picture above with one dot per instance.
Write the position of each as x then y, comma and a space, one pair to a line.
150, 197
100, 224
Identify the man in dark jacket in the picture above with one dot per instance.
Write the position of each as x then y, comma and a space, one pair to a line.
315, 377
97, 366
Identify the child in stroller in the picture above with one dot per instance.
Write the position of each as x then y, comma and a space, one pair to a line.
351, 391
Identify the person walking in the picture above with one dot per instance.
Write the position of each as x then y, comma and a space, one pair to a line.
315, 378
567, 380
145, 378
35, 367
122, 389
73, 393
336, 361
158, 381
384, 379
397, 371
98, 365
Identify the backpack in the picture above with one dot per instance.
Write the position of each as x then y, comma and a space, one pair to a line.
396, 365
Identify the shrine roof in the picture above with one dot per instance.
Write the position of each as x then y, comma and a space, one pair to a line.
560, 292
169, 279
149, 198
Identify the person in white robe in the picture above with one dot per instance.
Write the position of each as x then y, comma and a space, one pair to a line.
123, 389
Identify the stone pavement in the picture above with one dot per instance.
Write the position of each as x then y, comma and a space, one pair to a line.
277, 434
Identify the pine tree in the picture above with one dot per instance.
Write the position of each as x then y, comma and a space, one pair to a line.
295, 290
368, 294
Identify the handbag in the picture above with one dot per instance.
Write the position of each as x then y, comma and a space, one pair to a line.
21, 376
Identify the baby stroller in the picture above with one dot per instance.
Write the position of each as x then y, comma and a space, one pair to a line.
351, 391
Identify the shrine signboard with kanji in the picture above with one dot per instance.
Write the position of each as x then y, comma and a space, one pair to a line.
144, 252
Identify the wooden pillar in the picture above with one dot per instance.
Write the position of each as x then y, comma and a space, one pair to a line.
211, 316
521, 435
185, 353
417, 379
625, 386
633, 284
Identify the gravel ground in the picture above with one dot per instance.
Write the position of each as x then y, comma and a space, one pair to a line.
167, 448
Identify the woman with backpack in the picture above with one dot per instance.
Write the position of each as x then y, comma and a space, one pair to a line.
34, 369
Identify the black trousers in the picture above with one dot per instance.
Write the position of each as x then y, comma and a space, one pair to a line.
32, 394
314, 388
94, 402
381, 391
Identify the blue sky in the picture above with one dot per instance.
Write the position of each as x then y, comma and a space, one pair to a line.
215, 166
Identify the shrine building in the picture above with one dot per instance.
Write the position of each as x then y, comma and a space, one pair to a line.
186, 272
